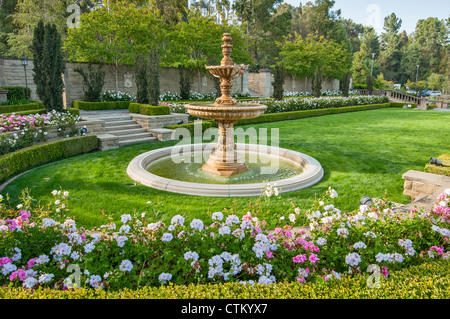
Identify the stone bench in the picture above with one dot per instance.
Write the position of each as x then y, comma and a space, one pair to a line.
163, 134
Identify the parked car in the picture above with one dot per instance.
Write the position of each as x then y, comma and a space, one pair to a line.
435, 93
425, 93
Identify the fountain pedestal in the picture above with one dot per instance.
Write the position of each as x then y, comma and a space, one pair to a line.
225, 161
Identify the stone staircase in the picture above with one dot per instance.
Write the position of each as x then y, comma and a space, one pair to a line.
127, 130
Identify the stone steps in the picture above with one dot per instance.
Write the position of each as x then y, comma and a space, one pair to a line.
126, 130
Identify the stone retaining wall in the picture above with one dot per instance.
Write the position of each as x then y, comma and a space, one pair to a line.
421, 183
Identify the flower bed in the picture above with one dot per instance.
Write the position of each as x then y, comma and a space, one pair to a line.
20, 131
42, 248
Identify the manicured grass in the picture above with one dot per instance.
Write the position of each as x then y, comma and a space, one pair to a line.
362, 153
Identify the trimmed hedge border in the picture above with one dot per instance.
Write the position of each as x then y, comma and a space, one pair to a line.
284, 116
21, 107
73, 111
429, 280
440, 170
147, 109
190, 126
18, 162
94, 106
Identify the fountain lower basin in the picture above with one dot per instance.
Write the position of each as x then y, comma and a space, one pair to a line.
309, 172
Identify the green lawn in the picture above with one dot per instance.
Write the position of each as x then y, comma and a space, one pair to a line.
362, 153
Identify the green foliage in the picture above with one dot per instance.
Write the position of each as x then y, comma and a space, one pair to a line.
370, 82
48, 66
154, 110
134, 108
279, 75
437, 169
24, 159
303, 57
285, 116
20, 108
153, 77
191, 126
186, 78
141, 80
93, 82
91, 106
431, 281
317, 82
345, 83
17, 93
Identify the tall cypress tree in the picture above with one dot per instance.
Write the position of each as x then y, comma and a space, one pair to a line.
153, 77
48, 66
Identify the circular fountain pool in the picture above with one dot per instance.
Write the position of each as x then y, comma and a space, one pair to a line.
176, 169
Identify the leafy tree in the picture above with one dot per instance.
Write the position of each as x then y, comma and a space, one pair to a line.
435, 81
114, 35
49, 67
314, 57
93, 82
197, 43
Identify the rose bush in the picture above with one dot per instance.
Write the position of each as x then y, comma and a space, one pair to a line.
42, 246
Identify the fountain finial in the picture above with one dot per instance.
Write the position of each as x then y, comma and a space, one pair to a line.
226, 72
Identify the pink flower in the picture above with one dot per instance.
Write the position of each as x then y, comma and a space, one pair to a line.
18, 274
385, 271
270, 236
442, 196
247, 217
30, 263
278, 231
258, 230
24, 215
313, 258
299, 259
301, 279
439, 250
269, 254
288, 234
4, 261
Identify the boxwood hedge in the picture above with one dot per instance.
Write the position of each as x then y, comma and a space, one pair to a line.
429, 280
17, 162
147, 109
93, 106
73, 111
5, 109
440, 170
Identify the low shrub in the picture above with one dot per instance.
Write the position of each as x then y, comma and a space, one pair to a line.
146, 109
17, 162
431, 281
191, 126
284, 116
400, 105
92, 106
113, 96
440, 170
7, 109
17, 92
134, 108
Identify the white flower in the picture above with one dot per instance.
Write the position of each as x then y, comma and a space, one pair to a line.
352, 259
55, 192
8, 268
124, 229
197, 224
297, 211
75, 255
178, 219
217, 216
225, 230
292, 218
45, 278
89, 247
30, 282
126, 265
164, 277
343, 232
191, 255
321, 241
359, 245
95, 281
65, 194
333, 193
125, 218
121, 240
167, 237
232, 219
364, 208
19, 206
372, 215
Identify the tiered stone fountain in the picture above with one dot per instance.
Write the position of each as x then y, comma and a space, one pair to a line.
225, 173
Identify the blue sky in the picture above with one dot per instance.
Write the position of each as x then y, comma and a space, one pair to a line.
372, 12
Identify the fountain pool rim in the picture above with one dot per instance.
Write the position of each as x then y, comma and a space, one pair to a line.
312, 173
